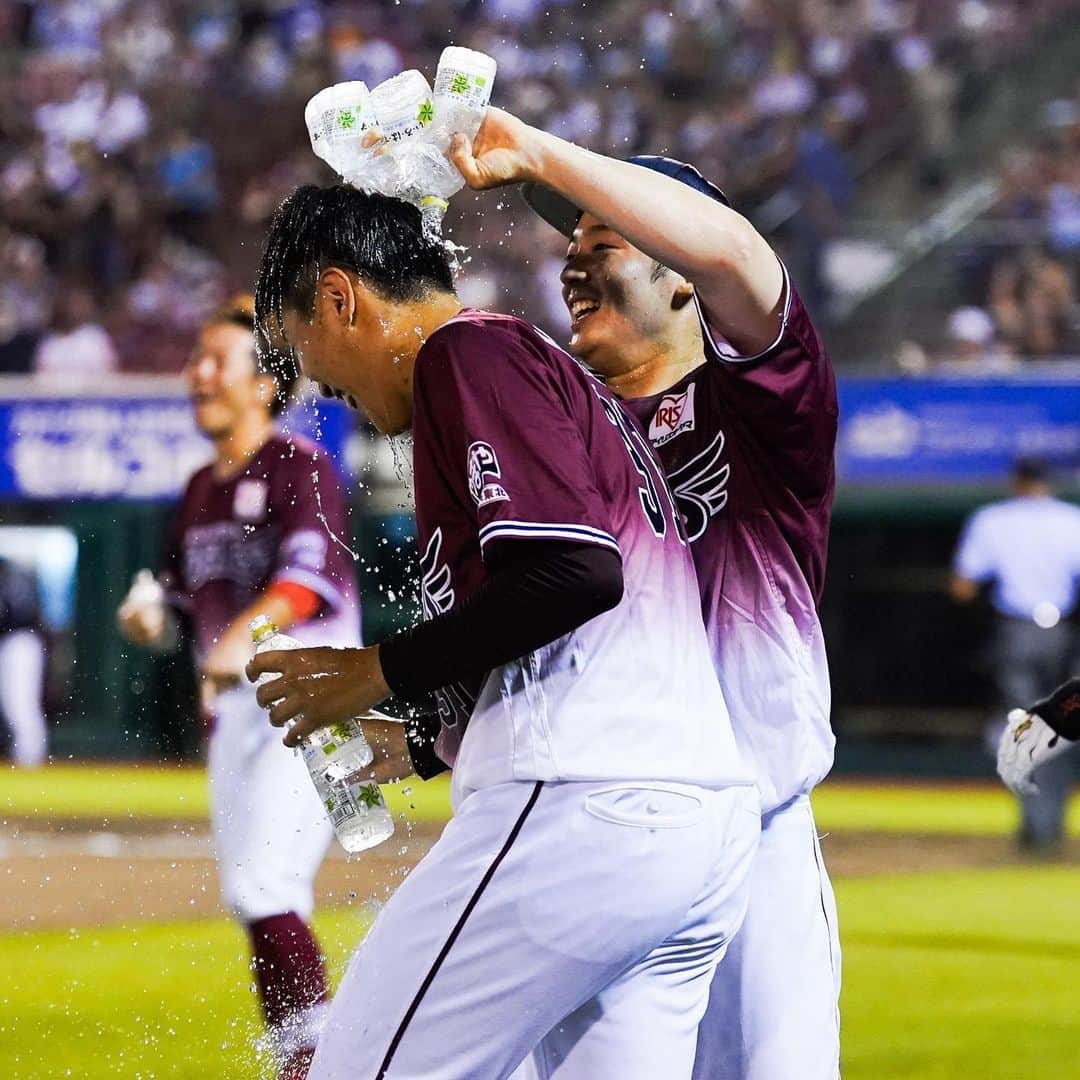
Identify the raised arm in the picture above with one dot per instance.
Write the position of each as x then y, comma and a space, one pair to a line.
738, 277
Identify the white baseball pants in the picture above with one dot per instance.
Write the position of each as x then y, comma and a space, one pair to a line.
271, 832
774, 1004
22, 675
581, 919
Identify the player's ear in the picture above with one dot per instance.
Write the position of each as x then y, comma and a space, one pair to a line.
683, 294
336, 296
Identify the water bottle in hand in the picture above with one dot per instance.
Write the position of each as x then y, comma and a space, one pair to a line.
335, 757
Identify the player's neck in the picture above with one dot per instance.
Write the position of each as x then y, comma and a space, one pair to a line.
236, 447
653, 373
413, 323
409, 327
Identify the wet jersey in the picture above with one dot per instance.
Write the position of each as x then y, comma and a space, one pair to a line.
514, 440
277, 520
747, 444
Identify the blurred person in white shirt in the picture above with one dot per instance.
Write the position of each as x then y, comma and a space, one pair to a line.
77, 347
22, 665
1027, 549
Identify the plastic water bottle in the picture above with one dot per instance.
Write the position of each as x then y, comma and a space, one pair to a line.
463, 85
145, 591
335, 756
403, 111
147, 597
337, 119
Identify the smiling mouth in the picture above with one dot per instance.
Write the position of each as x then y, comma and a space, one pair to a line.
581, 309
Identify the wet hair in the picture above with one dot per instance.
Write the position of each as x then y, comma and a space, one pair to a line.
379, 239
240, 311
657, 272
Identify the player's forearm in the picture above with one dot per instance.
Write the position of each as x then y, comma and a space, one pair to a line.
684, 229
549, 590
274, 605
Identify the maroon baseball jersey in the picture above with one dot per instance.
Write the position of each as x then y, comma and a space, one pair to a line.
747, 444
278, 520
514, 440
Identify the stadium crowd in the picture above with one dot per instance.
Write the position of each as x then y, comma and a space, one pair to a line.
1018, 271
143, 144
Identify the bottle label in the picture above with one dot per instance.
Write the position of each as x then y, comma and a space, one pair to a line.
367, 794
341, 123
470, 90
341, 806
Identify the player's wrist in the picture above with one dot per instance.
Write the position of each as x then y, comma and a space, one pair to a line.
1061, 710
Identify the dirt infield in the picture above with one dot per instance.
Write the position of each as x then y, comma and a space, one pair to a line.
79, 874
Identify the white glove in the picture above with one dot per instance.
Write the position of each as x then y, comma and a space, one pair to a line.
1027, 742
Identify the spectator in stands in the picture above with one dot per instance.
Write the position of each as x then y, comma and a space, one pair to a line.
822, 180
25, 300
1027, 549
22, 664
1032, 298
126, 122
77, 347
973, 344
188, 182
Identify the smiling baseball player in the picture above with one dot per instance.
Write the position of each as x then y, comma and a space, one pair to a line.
684, 310
252, 536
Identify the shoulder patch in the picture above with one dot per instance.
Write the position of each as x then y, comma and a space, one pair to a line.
485, 475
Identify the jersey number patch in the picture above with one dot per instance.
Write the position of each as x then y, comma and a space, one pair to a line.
649, 491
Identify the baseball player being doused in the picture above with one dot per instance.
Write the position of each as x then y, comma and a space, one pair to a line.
594, 870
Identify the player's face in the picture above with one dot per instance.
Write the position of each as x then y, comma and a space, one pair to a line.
619, 305
223, 381
346, 351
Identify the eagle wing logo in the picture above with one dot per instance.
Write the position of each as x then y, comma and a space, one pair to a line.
700, 487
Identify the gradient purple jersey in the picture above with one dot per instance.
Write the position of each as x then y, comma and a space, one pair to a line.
275, 521
747, 443
514, 440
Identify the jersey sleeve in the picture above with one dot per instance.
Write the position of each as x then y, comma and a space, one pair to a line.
786, 395
311, 514
974, 555
505, 430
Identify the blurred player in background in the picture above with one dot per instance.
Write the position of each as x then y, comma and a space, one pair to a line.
22, 664
594, 870
1027, 549
253, 535
689, 316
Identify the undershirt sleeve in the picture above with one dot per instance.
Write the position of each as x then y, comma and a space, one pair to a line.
537, 592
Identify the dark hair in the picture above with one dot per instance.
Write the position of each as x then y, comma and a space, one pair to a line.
380, 239
240, 311
1030, 470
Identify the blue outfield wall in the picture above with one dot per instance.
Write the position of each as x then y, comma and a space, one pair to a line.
893, 432
956, 430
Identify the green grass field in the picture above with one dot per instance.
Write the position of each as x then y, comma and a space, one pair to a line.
116, 792
947, 975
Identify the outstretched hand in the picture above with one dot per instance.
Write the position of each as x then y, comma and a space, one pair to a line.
504, 151
316, 687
